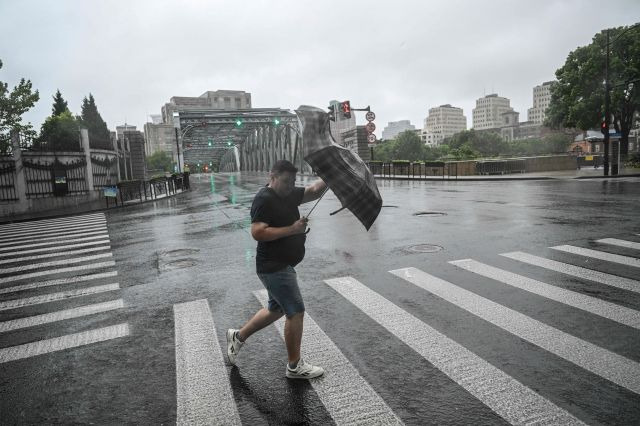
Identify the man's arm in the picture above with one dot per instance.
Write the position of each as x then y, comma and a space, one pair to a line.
313, 191
261, 231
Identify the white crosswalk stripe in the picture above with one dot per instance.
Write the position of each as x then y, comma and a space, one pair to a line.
604, 363
47, 222
60, 315
54, 234
204, 394
55, 263
58, 238
84, 338
59, 248
98, 265
506, 396
68, 294
601, 255
60, 281
348, 398
53, 231
52, 243
620, 243
7, 233
56, 254
576, 271
589, 304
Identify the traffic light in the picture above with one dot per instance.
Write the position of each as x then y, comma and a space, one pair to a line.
603, 127
209, 142
345, 108
238, 122
228, 143
276, 121
332, 112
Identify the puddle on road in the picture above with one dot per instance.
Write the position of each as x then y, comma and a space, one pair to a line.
170, 259
177, 264
178, 252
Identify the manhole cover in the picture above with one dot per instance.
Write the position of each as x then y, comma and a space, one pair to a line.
179, 252
178, 264
425, 248
390, 206
429, 214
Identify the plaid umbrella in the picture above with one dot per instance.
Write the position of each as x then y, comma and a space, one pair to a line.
342, 170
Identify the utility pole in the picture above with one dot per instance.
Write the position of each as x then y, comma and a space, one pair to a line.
607, 113
178, 150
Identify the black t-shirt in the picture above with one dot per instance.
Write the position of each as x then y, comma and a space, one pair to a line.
270, 208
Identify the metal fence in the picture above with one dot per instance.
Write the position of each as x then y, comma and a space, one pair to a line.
500, 167
40, 177
105, 172
7, 180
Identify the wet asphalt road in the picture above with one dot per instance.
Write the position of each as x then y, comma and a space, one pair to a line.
197, 246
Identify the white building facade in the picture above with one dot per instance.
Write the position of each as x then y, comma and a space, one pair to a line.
394, 128
489, 110
442, 122
541, 101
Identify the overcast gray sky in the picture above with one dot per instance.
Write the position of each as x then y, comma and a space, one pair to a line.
400, 57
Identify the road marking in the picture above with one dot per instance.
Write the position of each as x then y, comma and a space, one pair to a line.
620, 243
54, 263
77, 240
62, 281
604, 363
60, 315
586, 303
59, 248
609, 257
37, 227
59, 238
348, 398
576, 271
65, 342
204, 394
58, 271
69, 219
500, 392
52, 231
53, 297
57, 254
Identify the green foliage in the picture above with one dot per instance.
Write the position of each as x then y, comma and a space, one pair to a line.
578, 97
59, 104
470, 144
160, 160
90, 118
408, 146
12, 106
60, 133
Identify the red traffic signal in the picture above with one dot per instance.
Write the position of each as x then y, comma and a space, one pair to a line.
345, 107
604, 128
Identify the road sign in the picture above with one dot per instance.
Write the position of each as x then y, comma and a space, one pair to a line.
370, 116
370, 126
371, 138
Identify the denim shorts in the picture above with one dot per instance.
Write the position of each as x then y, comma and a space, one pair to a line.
284, 294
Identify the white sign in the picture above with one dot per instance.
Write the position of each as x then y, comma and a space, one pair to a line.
370, 126
370, 116
371, 138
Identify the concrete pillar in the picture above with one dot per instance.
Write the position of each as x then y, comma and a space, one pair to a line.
21, 180
115, 148
84, 135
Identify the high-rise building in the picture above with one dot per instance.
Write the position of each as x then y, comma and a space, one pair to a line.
541, 101
489, 110
135, 141
160, 137
442, 122
394, 128
341, 124
219, 99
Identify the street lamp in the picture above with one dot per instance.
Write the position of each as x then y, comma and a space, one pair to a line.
607, 102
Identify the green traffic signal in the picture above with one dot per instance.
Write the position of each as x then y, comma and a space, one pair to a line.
276, 121
238, 122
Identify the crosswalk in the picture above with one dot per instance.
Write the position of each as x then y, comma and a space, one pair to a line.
56, 260
350, 399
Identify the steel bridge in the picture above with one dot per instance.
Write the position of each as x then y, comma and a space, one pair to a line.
239, 140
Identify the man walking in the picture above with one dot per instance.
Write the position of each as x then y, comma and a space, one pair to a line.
280, 231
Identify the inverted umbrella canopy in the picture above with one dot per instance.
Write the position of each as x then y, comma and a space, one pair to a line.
342, 170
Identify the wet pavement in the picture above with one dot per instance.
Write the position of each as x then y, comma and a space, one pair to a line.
458, 346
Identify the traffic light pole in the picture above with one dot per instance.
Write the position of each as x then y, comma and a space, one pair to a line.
606, 111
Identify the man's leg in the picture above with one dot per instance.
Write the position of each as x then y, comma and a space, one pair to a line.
293, 336
260, 320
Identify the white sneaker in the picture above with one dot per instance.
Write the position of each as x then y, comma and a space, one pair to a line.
233, 346
304, 371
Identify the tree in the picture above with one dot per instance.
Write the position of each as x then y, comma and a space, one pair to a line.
408, 146
481, 143
12, 106
99, 136
160, 160
60, 133
578, 97
59, 104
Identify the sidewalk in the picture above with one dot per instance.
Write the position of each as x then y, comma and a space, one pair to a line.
583, 173
91, 207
